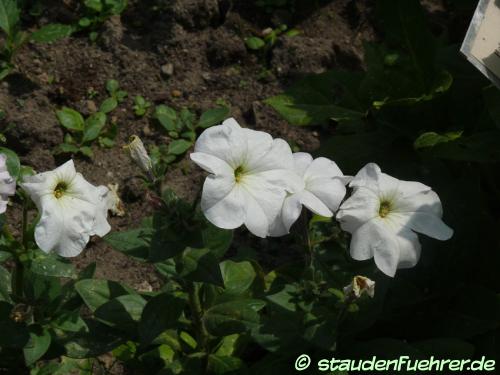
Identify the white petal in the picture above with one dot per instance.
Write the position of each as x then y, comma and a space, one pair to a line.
226, 142
211, 163
216, 188
282, 178
279, 156
411, 188
301, 161
368, 175
292, 207
256, 219
427, 201
66, 172
228, 212
64, 227
409, 249
430, 225
266, 193
101, 225
314, 204
322, 167
373, 239
360, 207
330, 191
258, 145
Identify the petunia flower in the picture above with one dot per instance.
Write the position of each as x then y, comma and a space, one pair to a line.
383, 214
7, 184
323, 191
249, 176
360, 285
71, 209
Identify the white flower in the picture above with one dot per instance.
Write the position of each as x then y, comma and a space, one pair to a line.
249, 176
7, 184
139, 155
359, 286
71, 209
322, 192
383, 214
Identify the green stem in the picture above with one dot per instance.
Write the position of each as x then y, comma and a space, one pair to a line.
25, 227
309, 252
197, 311
19, 270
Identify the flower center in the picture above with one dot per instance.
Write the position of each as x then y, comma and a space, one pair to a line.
238, 173
61, 187
385, 208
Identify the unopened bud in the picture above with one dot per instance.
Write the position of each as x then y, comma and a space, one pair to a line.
139, 155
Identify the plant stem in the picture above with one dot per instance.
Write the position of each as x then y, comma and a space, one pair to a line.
309, 252
25, 227
19, 270
197, 310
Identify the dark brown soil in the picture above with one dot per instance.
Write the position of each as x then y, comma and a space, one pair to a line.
203, 40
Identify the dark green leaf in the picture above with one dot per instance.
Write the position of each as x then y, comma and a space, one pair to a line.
52, 32
233, 317
93, 126
51, 265
254, 43
108, 105
238, 276
86, 151
122, 312
430, 139
216, 239
133, 242
5, 285
224, 365
68, 148
9, 15
161, 312
213, 117
200, 265
37, 346
70, 119
179, 146
97, 292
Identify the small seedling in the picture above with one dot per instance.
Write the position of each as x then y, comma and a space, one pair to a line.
116, 96
181, 127
141, 106
268, 38
83, 132
16, 38
98, 11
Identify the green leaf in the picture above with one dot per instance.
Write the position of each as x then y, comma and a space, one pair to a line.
200, 265
224, 365
108, 105
13, 163
37, 346
133, 243
233, 317
431, 139
95, 5
9, 15
216, 239
52, 32
95, 292
122, 312
112, 85
4, 255
70, 119
313, 101
254, 43
68, 148
179, 146
70, 321
86, 151
238, 276
93, 126
161, 312
167, 117
213, 117
51, 265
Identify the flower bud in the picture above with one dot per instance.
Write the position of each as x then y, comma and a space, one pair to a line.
139, 155
360, 285
115, 204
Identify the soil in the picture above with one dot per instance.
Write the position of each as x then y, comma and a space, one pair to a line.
203, 40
